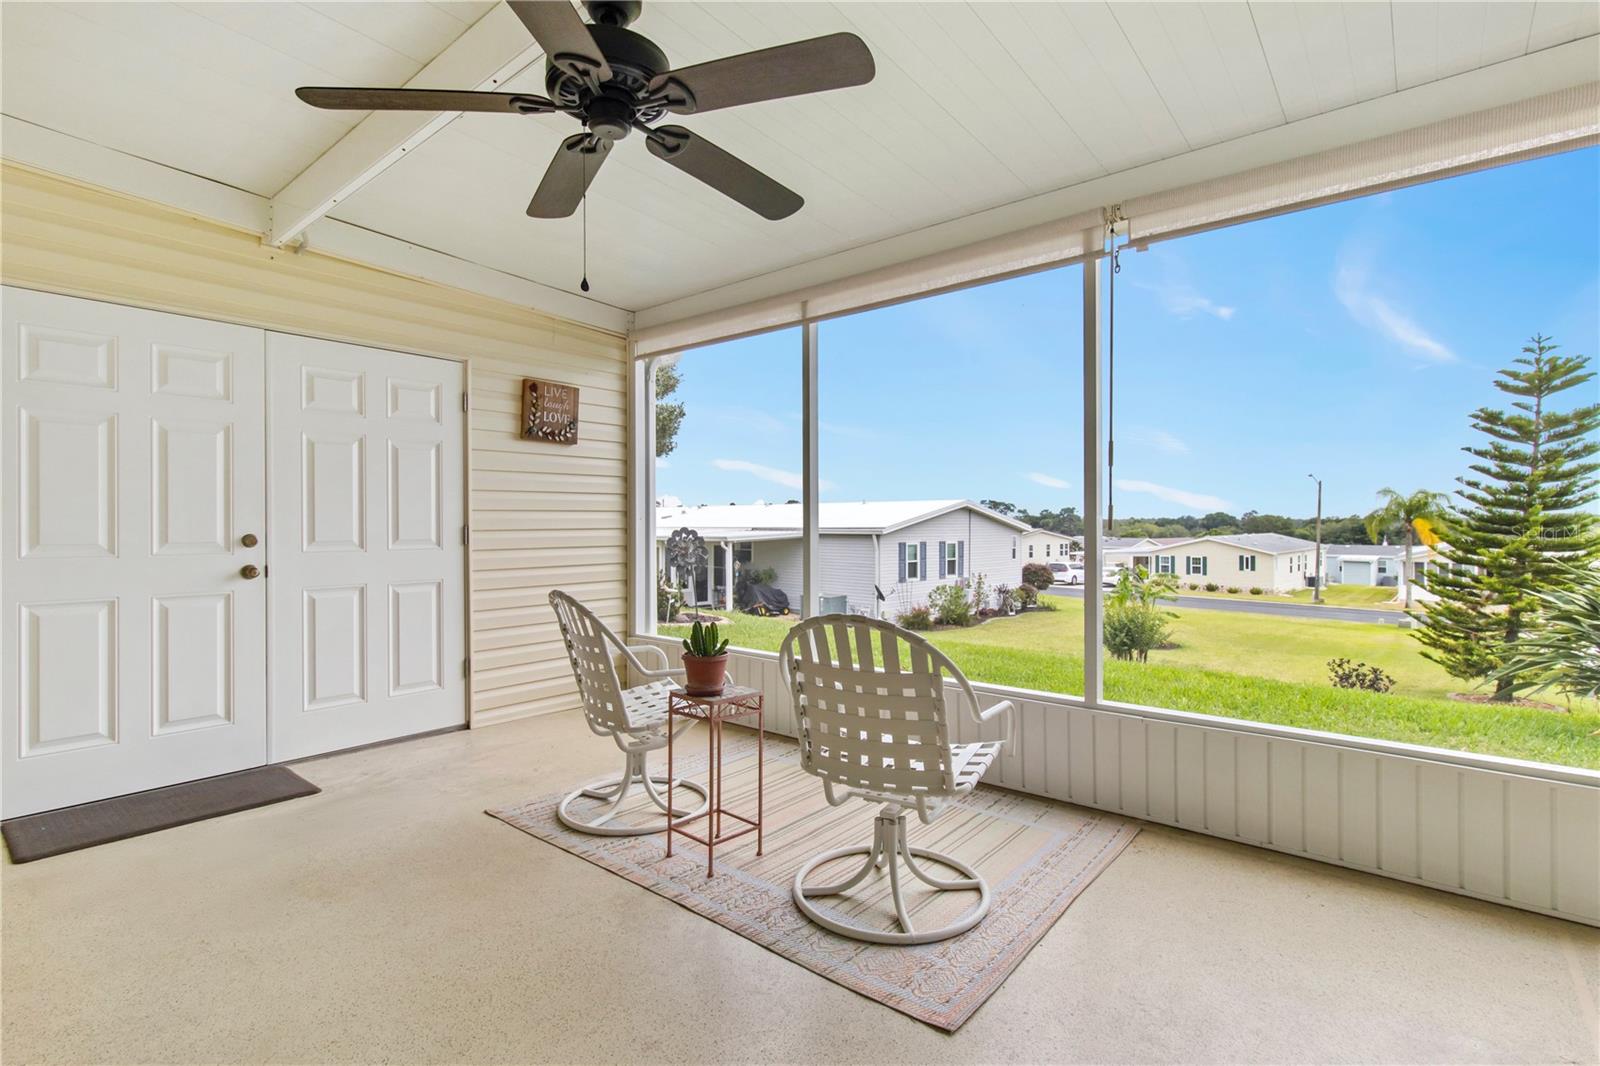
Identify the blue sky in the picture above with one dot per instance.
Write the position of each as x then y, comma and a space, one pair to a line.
1351, 340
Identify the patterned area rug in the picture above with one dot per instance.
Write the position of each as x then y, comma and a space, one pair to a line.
1036, 855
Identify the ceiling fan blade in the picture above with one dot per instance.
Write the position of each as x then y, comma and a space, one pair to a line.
565, 38
728, 174
568, 176
338, 99
836, 61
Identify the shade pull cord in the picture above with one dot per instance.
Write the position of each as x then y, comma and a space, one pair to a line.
1114, 215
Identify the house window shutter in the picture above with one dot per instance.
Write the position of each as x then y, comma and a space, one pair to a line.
940, 572
1205, 565
961, 558
922, 557
902, 562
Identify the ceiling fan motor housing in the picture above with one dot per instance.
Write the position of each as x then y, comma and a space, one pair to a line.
634, 60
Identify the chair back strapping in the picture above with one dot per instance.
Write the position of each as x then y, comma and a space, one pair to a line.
588, 643
870, 701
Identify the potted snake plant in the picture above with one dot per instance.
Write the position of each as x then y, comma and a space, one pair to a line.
705, 660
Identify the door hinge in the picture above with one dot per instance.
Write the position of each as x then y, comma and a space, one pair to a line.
466, 401
466, 535
466, 667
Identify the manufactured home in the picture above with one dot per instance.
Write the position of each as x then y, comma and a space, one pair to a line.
1270, 561
879, 558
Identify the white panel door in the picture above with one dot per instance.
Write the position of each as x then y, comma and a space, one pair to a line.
133, 645
367, 563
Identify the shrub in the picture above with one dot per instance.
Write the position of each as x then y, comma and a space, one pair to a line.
1193, 586
1212, 586
1025, 595
950, 606
1138, 585
1038, 575
1256, 590
916, 618
1564, 651
1133, 630
1346, 674
1005, 600
1234, 590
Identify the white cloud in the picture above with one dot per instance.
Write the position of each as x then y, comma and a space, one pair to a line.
1181, 299
787, 478
1047, 481
1352, 284
1197, 501
1184, 302
1159, 439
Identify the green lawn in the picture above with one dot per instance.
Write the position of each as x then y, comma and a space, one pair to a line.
1259, 667
1332, 596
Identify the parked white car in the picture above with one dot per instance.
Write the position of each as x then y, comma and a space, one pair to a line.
1066, 573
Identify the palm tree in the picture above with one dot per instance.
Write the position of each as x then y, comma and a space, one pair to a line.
1397, 511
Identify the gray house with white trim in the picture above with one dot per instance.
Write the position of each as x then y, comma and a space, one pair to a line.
879, 558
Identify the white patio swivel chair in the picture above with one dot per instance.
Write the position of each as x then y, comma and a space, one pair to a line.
634, 718
881, 733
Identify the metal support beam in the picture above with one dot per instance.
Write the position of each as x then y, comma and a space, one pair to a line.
493, 50
810, 481
641, 494
1093, 474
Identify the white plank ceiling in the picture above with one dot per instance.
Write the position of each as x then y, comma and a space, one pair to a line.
974, 106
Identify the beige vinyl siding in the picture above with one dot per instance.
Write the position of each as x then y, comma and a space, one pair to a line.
541, 515
1222, 566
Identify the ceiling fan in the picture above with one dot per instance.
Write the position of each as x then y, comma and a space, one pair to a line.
614, 81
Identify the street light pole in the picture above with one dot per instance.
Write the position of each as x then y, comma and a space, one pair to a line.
1316, 588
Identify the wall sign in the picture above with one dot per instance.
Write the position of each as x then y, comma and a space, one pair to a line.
549, 411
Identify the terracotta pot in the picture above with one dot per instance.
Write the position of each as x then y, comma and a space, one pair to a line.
705, 676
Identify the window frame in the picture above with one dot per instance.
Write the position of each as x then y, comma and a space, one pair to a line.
950, 565
913, 561
641, 463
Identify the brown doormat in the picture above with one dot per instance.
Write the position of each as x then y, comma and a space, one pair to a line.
39, 836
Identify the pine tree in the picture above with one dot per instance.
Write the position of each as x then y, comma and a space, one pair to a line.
1523, 517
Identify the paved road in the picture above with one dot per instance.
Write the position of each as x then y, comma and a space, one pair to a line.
1252, 606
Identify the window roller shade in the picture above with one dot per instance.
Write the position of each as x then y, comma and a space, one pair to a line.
1541, 125
1024, 251
1553, 122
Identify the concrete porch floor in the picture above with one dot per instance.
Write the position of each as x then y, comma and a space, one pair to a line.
388, 919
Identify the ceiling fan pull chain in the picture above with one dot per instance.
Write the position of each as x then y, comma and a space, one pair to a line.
584, 284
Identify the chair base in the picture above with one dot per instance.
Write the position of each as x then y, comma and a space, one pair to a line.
890, 850
616, 790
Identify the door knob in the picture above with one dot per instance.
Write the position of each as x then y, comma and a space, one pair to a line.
250, 571
249, 540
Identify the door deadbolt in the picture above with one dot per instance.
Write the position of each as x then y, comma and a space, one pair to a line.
250, 571
249, 540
